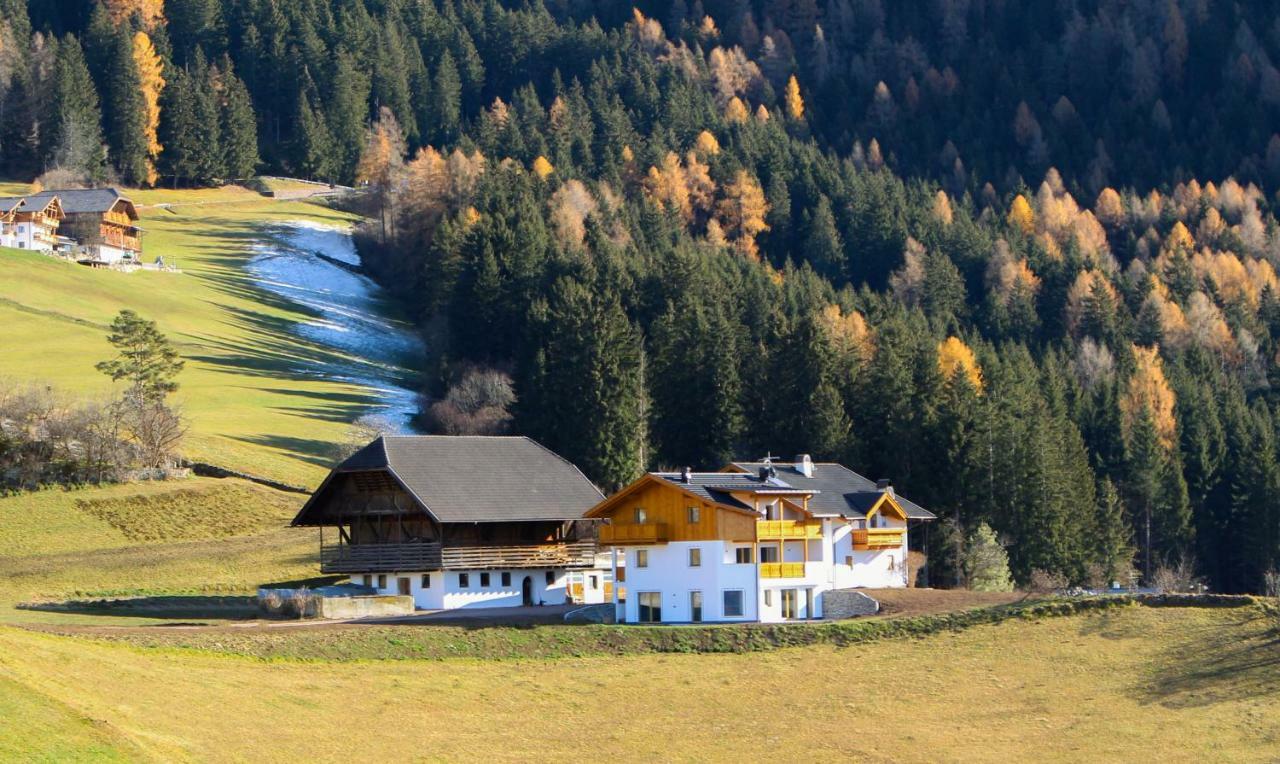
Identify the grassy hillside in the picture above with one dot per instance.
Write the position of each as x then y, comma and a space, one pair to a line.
201, 536
248, 405
1134, 683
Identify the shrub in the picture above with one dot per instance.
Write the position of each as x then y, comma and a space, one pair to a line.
300, 601
986, 563
1046, 582
271, 602
1177, 576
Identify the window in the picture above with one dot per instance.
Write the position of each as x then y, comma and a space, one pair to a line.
551, 578
382, 582
768, 554
742, 555
506, 578
593, 581
848, 560
693, 514
642, 558
695, 607
768, 598
859, 524
695, 557
642, 517
464, 580
650, 607
484, 580
368, 580
732, 603
426, 580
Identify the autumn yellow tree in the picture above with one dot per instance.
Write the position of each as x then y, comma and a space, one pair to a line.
151, 12
742, 212
1109, 208
1021, 216
956, 357
151, 74
795, 103
707, 144
1148, 391
736, 112
542, 168
849, 334
381, 161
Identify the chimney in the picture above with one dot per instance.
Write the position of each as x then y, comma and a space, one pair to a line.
686, 475
764, 473
886, 485
804, 465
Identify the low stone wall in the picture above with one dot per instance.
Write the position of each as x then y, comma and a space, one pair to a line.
364, 607
838, 604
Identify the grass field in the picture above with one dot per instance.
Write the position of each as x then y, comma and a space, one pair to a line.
248, 405
1133, 684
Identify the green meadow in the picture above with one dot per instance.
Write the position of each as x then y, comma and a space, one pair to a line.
248, 406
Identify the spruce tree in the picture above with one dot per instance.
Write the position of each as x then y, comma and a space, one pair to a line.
179, 129
446, 100
127, 118
79, 145
348, 110
239, 128
313, 145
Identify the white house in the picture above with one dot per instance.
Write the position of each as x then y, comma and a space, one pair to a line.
753, 542
461, 522
32, 222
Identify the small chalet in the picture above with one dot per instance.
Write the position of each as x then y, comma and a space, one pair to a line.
756, 541
9, 207
460, 521
103, 223
31, 222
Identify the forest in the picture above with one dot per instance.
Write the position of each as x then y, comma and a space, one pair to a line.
1019, 259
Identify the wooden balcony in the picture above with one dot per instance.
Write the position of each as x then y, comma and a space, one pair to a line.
119, 218
424, 556
879, 538
788, 529
634, 533
782, 570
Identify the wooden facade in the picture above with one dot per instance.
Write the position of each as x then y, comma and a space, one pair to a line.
382, 527
653, 510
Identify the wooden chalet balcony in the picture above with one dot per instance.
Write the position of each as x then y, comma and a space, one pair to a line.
636, 533
878, 538
423, 556
788, 529
119, 218
782, 570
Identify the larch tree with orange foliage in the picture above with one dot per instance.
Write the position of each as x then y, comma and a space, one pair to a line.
955, 357
151, 76
795, 103
1148, 391
381, 162
1021, 215
742, 212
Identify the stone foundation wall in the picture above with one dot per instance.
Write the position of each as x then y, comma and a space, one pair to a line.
847, 603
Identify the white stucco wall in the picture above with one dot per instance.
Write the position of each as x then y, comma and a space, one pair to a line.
446, 592
872, 568
669, 573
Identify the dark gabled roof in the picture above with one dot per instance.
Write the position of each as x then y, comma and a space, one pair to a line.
718, 486
464, 479
10, 203
838, 489
84, 199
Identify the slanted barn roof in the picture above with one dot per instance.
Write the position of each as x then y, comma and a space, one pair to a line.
464, 479
78, 200
838, 490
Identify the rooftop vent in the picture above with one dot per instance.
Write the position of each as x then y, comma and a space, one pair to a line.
686, 475
804, 465
886, 485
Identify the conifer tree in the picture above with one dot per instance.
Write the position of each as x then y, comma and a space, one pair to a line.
239, 129
79, 145
313, 147
1113, 537
180, 129
127, 118
446, 100
348, 110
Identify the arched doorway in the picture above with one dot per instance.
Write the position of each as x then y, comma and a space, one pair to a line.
526, 591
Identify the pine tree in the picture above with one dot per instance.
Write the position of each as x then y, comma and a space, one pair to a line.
239, 137
986, 562
127, 118
807, 412
446, 100
1112, 543
79, 147
145, 358
205, 86
348, 110
313, 147
823, 245
180, 129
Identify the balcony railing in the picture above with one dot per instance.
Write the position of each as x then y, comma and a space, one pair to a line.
423, 556
782, 570
878, 538
635, 533
788, 529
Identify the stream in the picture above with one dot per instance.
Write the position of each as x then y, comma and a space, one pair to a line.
351, 316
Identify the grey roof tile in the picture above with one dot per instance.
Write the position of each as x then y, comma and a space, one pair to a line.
840, 490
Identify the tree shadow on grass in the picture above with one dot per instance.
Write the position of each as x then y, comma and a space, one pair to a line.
1211, 664
177, 606
309, 450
